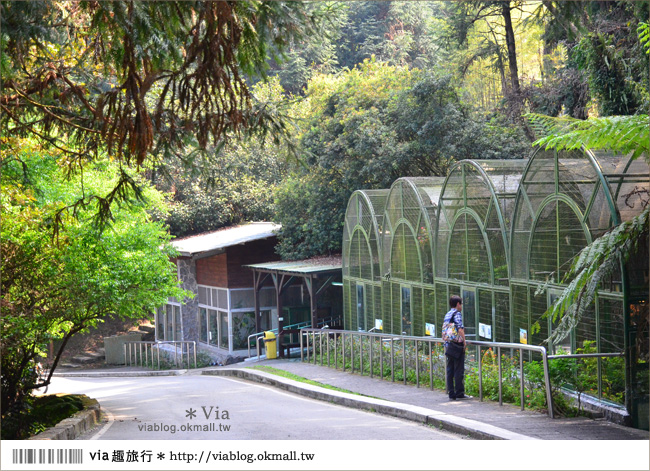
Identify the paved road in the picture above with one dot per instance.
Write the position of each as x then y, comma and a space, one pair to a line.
153, 408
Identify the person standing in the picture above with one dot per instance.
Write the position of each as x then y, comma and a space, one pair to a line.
454, 333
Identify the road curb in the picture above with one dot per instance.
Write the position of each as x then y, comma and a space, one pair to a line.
442, 420
73, 427
118, 374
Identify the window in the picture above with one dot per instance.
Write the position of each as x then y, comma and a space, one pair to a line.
203, 325
361, 311
223, 330
407, 313
168, 323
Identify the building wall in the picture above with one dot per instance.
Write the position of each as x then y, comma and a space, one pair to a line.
247, 254
213, 271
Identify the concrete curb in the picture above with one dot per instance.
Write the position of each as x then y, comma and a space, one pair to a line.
72, 427
118, 374
451, 423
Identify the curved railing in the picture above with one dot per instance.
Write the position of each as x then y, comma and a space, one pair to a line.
311, 340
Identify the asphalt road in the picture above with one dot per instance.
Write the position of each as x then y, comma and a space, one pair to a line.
214, 408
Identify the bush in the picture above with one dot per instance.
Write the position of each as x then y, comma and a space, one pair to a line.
38, 414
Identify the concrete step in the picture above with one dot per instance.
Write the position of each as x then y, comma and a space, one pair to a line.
70, 365
84, 359
100, 354
147, 328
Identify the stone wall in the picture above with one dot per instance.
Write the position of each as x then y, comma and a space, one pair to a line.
190, 307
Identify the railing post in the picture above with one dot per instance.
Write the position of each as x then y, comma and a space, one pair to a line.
175, 355
480, 374
352, 351
361, 354
392, 361
320, 346
371, 341
521, 377
500, 378
381, 357
125, 360
417, 365
547, 380
404, 360
336, 352
302, 352
328, 349
430, 364
343, 351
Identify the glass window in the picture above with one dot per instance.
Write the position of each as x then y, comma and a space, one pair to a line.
177, 323
223, 330
160, 324
243, 325
242, 298
222, 298
169, 323
361, 311
407, 314
203, 295
213, 330
203, 325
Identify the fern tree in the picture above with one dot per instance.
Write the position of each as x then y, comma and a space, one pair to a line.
625, 134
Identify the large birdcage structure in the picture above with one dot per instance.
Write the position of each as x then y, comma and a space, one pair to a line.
362, 261
408, 296
472, 244
565, 201
502, 235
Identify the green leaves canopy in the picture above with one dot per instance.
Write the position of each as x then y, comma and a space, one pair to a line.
53, 288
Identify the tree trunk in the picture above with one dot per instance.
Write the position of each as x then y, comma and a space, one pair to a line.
515, 98
512, 53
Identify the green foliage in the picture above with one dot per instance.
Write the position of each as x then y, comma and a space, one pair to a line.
368, 127
592, 265
39, 414
622, 134
53, 288
140, 81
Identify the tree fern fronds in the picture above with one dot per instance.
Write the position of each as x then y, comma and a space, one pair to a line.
592, 265
622, 134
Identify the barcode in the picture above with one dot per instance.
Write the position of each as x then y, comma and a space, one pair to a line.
60, 456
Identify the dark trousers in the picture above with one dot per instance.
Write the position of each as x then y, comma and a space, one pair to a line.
455, 373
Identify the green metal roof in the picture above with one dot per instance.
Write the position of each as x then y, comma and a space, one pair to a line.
301, 267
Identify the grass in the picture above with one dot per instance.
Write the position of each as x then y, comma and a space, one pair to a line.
288, 375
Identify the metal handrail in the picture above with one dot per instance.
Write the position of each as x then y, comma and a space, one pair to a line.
299, 325
133, 355
275, 331
312, 333
598, 356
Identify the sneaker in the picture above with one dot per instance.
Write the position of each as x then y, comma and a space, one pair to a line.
452, 398
461, 396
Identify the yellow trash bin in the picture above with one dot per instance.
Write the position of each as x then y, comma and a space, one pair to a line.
270, 343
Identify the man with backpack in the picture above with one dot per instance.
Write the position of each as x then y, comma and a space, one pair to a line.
453, 333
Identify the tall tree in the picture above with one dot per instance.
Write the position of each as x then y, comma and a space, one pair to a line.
139, 80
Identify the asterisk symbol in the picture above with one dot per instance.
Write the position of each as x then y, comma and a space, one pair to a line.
161, 456
191, 413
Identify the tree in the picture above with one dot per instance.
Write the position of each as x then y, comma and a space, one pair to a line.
55, 287
139, 80
365, 129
